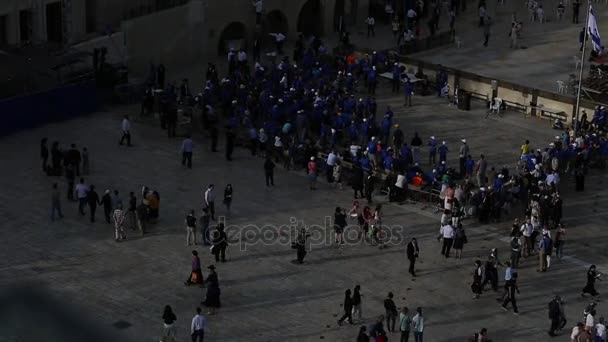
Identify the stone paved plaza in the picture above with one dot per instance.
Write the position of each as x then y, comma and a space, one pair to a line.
121, 288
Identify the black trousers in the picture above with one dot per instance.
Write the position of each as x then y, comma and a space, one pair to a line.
212, 209
187, 157
412, 269
446, 247
125, 136
81, 203
269, 178
92, 209
511, 298
220, 253
462, 168
107, 212
396, 84
487, 37
171, 125
300, 253
348, 315
554, 325
390, 321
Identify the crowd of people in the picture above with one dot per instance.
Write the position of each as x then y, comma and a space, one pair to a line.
291, 109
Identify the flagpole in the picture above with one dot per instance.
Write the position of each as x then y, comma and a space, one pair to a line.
580, 76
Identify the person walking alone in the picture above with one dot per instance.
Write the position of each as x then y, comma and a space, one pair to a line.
55, 203
126, 131
371, 24
391, 312
187, 148
228, 196
348, 307
190, 228
511, 287
210, 200
119, 224
412, 254
487, 25
269, 171
92, 200
169, 319
357, 304
447, 234
198, 327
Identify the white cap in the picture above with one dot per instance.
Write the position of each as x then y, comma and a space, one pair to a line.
443, 142
482, 188
464, 140
433, 137
557, 137
396, 64
501, 176
312, 158
443, 162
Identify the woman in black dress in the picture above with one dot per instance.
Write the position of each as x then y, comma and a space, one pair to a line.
213, 291
476, 286
228, 196
460, 239
339, 224
589, 288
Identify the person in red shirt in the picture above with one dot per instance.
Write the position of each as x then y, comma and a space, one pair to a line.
417, 180
312, 173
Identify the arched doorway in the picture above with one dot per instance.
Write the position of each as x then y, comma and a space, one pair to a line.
310, 19
233, 36
276, 21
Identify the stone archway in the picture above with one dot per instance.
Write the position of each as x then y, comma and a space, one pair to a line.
234, 35
276, 21
311, 18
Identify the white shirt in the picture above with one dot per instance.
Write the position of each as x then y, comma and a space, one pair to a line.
482, 11
331, 159
411, 13
259, 6
600, 330
279, 37
400, 181
589, 321
574, 334
370, 21
447, 231
418, 323
526, 229
126, 125
199, 322
242, 56
81, 190
209, 196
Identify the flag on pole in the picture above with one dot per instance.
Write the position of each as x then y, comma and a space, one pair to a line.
593, 32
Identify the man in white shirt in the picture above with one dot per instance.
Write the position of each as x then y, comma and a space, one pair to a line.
526, 231
600, 330
279, 38
447, 233
411, 18
371, 24
332, 158
126, 131
242, 59
259, 9
198, 326
80, 192
210, 200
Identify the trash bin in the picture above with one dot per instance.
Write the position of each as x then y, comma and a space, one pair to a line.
464, 100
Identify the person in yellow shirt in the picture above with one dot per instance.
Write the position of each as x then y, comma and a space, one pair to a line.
525, 148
